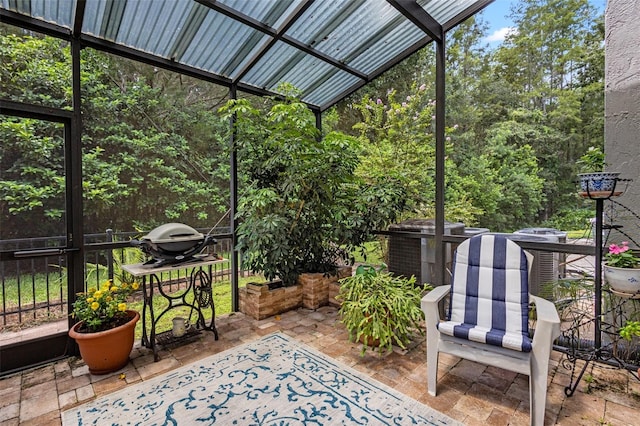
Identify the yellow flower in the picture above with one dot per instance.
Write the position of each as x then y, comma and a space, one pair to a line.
135, 285
102, 308
92, 290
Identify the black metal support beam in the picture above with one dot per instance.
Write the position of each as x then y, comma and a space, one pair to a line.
406, 53
440, 154
35, 111
377, 73
233, 187
318, 115
416, 14
78, 19
74, 204
33, 24
156, 61
465, 14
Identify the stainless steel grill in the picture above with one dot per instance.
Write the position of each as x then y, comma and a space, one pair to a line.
173, 243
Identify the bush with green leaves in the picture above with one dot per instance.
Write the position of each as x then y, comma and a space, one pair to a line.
377, 306
103, 308
397, 138
301, 207
630, 330
592, 161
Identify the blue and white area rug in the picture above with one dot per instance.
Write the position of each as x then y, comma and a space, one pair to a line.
272, 381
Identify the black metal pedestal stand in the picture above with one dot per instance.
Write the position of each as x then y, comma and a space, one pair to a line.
596, 353
597, 341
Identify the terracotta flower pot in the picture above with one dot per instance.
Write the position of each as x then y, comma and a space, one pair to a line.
106, 351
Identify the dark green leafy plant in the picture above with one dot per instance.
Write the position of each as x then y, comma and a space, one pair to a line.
302, 209
592, 161
380, 307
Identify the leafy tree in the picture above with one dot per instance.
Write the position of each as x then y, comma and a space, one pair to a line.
160, 139
515, 171
153, 147
35, 70
398, 143
302, 208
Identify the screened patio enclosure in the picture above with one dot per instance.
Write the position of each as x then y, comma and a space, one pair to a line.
327, 49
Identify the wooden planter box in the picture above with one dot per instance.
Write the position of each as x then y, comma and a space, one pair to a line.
311, 292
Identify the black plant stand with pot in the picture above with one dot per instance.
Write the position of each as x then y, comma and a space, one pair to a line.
596, 353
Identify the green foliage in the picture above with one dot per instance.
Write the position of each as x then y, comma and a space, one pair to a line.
398, 142
571, 219
35, 70
630, 330
514, 170
592, 161
376, 305
301, 207
157, 146
35, 181
152, 143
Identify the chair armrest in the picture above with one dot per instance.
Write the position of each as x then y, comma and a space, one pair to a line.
430, 303
548, 321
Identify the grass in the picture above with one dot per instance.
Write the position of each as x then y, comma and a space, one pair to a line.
372, 254
28, 288
580, 233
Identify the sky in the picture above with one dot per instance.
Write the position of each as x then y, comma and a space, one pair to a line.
499, 24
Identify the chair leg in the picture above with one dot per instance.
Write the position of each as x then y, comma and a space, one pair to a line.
538, 391
432, 364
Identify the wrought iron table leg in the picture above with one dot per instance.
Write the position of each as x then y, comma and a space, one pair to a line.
569, 390
203, 298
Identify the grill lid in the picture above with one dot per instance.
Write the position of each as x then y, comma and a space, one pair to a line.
173, 243
173, 233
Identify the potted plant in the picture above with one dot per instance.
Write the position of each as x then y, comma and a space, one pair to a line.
106, 328
621, 269
594, 181
302, 208
380, 309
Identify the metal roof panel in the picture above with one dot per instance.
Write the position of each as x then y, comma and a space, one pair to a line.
324, 48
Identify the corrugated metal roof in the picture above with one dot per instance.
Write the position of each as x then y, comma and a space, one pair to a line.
327, 49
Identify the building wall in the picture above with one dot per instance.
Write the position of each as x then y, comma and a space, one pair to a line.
622, 107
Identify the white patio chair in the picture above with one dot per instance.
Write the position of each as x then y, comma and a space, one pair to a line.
489, 316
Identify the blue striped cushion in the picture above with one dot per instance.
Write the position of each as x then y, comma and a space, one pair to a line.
489, 293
